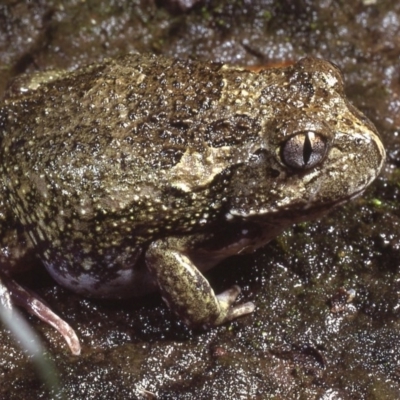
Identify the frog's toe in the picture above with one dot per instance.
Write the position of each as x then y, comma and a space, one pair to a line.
35, 306
229, 296
239, 310
228, 311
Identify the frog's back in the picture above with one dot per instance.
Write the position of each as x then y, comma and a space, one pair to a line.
136, 137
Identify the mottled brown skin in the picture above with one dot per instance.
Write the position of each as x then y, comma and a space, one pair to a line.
140, 172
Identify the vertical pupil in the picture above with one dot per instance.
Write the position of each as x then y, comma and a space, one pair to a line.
307, 149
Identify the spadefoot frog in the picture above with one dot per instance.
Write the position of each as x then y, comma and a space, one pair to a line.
142, 172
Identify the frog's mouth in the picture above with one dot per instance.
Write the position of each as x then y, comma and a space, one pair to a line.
293, 213
334, 203
314, 211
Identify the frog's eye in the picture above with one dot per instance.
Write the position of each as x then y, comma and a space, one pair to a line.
303, 150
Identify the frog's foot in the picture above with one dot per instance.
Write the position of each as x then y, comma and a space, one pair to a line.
187, 292
228, 312
12, 292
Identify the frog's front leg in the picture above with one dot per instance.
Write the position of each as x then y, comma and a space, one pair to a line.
13, 293
187, 292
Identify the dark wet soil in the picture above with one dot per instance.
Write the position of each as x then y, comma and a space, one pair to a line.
308, 338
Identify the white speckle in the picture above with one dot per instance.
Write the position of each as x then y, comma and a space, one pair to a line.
351, 295
87, 264
228, 216
330, 79
140, 78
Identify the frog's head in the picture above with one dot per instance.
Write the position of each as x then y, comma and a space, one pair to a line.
318, 150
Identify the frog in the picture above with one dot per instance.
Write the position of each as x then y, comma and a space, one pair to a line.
140, 173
